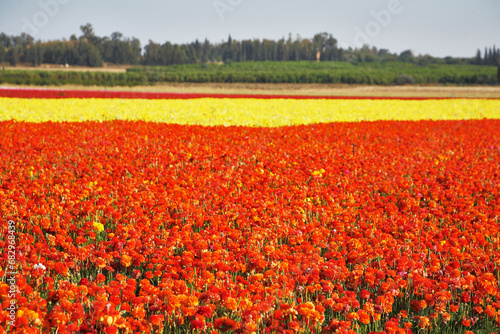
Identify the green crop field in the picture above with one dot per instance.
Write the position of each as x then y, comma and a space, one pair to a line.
374, 73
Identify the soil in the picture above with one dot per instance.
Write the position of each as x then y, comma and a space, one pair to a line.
301, 89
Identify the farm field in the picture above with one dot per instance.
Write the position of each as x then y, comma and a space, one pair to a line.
372, 73
270, 72
210, 214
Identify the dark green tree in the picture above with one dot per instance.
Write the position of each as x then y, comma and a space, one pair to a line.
478, 60
88, 55
88, 34
34, 54
3, 54
406, 56
498, 68
13, 55
5, 40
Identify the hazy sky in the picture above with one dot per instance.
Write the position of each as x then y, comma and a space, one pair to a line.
437, 27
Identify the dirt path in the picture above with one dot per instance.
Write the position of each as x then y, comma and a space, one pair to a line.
302, 89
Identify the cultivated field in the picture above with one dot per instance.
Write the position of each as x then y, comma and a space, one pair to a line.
300, 72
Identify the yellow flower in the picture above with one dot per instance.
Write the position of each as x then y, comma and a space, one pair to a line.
318, 172
249, 112
98, 227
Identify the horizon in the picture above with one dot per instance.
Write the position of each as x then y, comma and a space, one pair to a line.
456, 29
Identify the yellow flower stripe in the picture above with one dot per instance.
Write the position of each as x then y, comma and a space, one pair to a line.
251, 112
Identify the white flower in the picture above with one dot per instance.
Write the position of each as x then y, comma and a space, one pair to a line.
39, 266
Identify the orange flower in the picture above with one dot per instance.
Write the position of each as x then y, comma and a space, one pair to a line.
225, 324
418, 305
138, 312
363, 317
446, 317
126, 260
108, 320
230, 303
100, 278
352, 316
208, 277
490, 311
250, 327
156, 319
61, 269
424, 322
294, 325
328, 303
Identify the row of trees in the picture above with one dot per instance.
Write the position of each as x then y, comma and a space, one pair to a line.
86, 50
491, 56
91, 50
322, 45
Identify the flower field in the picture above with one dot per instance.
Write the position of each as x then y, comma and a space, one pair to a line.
246, 110
249, 215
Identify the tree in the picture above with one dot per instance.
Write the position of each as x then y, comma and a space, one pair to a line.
22, 40
5, 40
13, 55
478, 60
406, 56
2, 53
321, 42
178, 55
118, 48
35, 54
136, 50
88, 33
228, 53
498, 68
332, 50
88, 55
152, 53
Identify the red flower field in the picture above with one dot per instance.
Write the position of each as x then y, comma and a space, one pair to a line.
139, 227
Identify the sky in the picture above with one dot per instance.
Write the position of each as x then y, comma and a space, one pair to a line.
437, 27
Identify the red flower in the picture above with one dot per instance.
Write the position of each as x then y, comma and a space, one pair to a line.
205, 311
197, 324
364, 294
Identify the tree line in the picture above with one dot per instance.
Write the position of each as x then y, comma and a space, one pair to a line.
91, 50
322, 45
86, 50
491, 56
